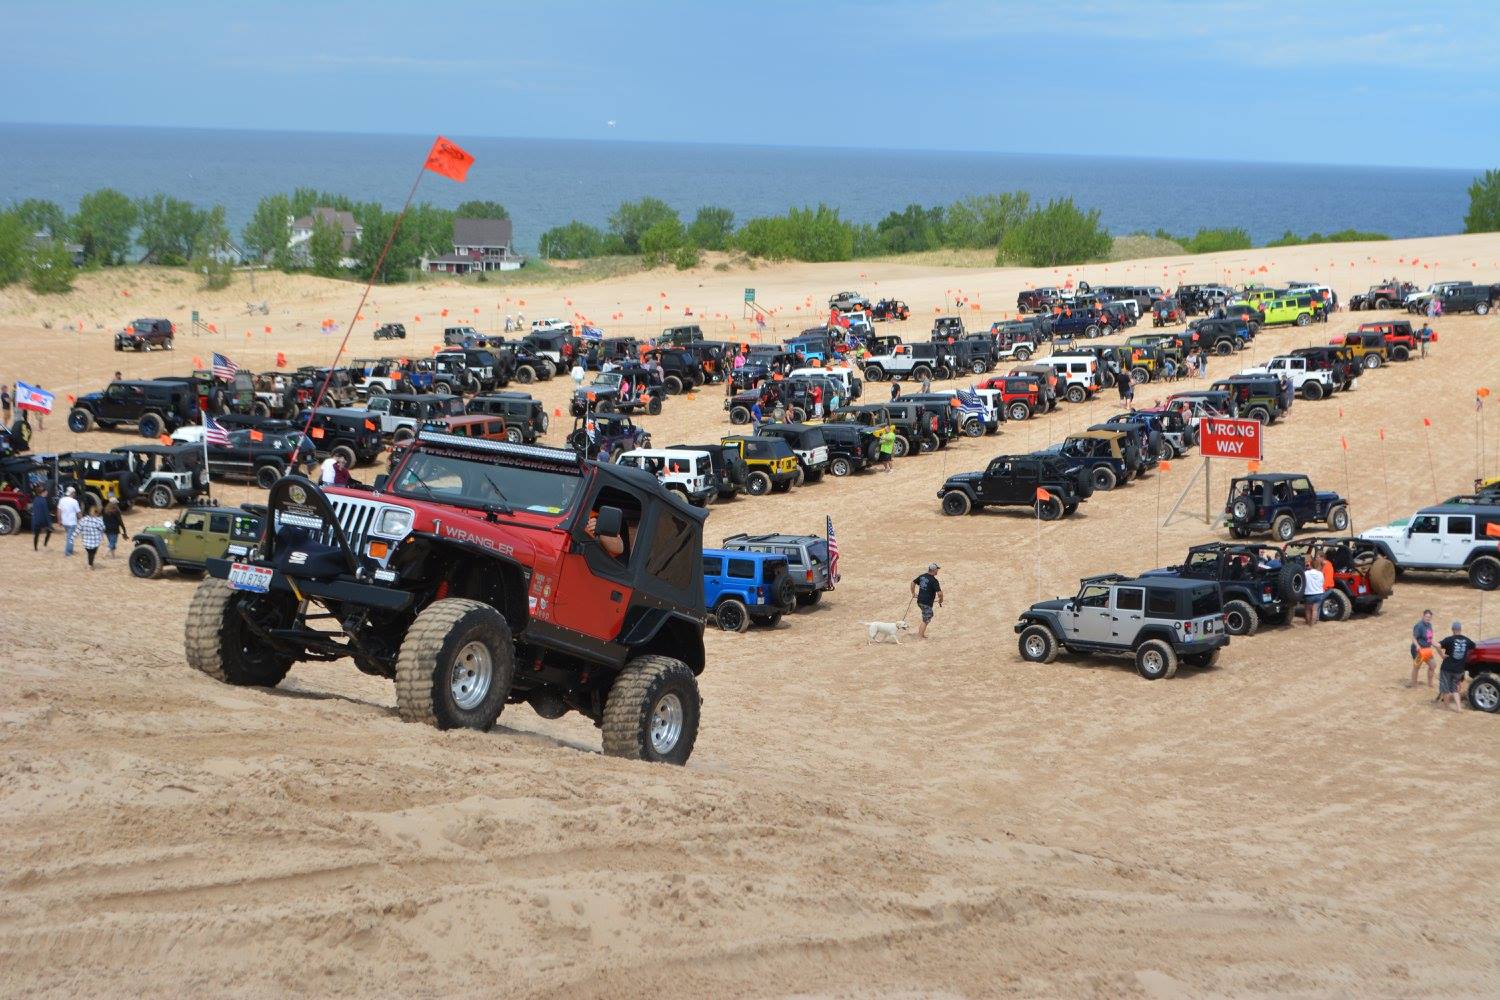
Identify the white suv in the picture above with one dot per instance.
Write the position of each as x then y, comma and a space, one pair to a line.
1079, 374
689, 474
1313, 383
1454, 536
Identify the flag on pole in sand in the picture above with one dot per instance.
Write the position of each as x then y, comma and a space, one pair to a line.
33, 398
448, 159
214, 432
224, 369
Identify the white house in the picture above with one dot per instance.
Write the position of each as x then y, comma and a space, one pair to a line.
302, 230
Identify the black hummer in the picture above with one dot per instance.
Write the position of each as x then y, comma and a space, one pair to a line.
1259, 582
155, 407
1053, 486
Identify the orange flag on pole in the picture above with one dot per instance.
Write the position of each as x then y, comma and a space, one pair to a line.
1492, 530
448, 159
1042, 495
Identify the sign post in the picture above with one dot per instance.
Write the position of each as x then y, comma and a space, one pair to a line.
1220, 437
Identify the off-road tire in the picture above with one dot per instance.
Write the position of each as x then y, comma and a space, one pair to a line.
1022, 354
1155, 660
810, 600
1237, 610
840, 466
653, 406
514, 435
796, 415
266, 476
1284, 527
1259, 414
1400, 353
216, 640
1382, 303
260, 409
1077, 394
1289, 581
673, 385
80, 420
430, 655
732, 616
1037, 644
145, 562
956, 503
1303, 319
974, 428
634, 698
1241, 509
525, 374
347, 453
1382, 577
159, 496
376, 389
901, 447
976, 367
1484, 573
1335, 607
1140, 375
1104, 478
10, 521
1091, 331
1372, 361
151, 425
1482, 309
1050, 509
874, 373
757, 483
919, 373
928, 444
1223, 348
1484, 693
1202, 660
1338, 517
783, 487
1019, 410
1312, 391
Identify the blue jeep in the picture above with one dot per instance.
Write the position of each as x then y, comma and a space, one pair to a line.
741, 587
1282, 504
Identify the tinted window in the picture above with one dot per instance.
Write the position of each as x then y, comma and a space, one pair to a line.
713, 565
1161, 604
218, 523
1129, 598
1206, 602
1461, 525
671, 559
1427, 524
741, 569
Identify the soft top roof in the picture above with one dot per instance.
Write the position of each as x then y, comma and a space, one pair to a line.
1098, 434
159, 449
1166, 582
1269, 477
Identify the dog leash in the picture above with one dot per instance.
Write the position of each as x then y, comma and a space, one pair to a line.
908, 608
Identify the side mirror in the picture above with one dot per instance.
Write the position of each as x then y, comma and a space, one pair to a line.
610, 522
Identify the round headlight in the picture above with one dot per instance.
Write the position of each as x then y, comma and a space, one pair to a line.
394, 522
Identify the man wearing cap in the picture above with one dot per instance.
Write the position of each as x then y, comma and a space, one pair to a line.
67, 516
926, 589
1456, 650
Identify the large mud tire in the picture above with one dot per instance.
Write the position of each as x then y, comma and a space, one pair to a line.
1382, 577
1155, 660
219, 644
145, 562
652, 711
1240, 618
1037, 644
456, 666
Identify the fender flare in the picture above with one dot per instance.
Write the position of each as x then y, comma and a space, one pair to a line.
1479, 551
420, 544
1167, 635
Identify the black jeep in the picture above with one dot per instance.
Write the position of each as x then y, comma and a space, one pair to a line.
155, 407
1052, 486
261, 456
730, 471
850, 447
519, 409
146, 335
1259, 582
390, 331
605, 435
353, 434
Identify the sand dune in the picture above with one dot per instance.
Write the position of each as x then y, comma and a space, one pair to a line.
924, 819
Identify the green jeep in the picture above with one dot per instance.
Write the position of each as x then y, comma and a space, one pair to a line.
199, 534
1298, 309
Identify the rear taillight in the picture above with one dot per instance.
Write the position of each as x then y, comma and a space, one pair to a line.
809, 576
760, 593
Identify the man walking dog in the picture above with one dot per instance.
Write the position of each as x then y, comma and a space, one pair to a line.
925, 589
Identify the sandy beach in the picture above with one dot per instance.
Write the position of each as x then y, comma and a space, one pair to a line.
933, 818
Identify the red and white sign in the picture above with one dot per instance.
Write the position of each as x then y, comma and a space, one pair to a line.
1224, 437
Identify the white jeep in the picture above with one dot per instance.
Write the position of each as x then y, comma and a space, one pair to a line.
1451, 536
687, 473
1312, 383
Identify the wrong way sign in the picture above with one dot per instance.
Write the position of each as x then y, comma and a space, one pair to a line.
1226, 437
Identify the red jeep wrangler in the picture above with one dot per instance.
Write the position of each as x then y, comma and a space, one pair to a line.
1400, 339
1020, 396
478, 574
1362, 577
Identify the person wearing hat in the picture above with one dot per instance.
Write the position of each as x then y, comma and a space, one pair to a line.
925, 589
1456, 650
67, 516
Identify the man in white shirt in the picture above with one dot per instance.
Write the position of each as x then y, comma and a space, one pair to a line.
67, 516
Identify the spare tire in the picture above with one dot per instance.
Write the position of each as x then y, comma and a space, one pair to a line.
1382, 577
1289, 581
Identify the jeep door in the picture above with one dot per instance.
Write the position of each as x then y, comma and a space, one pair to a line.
119, 403
1458, 538
997, 485
1090, 619
594, 589
1304, 500
190, 544
1129, 614
1424, 541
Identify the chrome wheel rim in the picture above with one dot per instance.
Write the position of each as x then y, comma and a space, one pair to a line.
473, 670
666, 723
1486, 696
1036, 648
1151, 661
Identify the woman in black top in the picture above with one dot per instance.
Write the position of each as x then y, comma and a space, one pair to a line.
114, 525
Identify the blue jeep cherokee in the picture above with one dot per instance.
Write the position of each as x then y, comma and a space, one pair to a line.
741, 587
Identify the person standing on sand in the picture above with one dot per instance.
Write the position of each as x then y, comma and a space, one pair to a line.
1456, 649
895, 390
91, 533
1421, 649
114, 525
67, 516
41, 517
925, 589
5, 403
887, 447
1312, 589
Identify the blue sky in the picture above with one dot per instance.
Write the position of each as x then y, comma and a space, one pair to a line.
1336, 82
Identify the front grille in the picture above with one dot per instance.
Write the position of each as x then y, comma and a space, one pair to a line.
357, 517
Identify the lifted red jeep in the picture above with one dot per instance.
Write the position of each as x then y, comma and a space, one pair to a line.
478, 574
1400, 339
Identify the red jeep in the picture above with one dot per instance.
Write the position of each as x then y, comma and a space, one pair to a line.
1020, 396
1483, 667
1400, 339
478, 574
1362, 577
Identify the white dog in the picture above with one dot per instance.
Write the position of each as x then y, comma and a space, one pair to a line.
881, 631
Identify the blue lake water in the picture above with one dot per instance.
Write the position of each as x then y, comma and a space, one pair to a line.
546, 182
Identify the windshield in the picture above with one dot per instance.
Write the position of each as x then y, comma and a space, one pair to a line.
471, 480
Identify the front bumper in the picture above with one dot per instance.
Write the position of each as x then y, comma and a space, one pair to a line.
343, 589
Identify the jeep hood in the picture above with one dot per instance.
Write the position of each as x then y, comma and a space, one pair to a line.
1385, 533
91, 397
964, 478
1056, 604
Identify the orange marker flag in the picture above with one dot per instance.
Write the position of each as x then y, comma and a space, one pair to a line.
165, 439
1164, 466
448, 159
1344, 442
1382, 433
1492, 530
1254, 466
1042, 495
257, 436
1426, 421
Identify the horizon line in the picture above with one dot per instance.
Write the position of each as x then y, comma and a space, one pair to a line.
775, 146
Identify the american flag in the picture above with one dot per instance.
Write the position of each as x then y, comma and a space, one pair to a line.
970, 399
833, 552
214, 432
224, 369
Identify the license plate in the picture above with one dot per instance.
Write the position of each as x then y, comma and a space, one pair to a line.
256, 579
